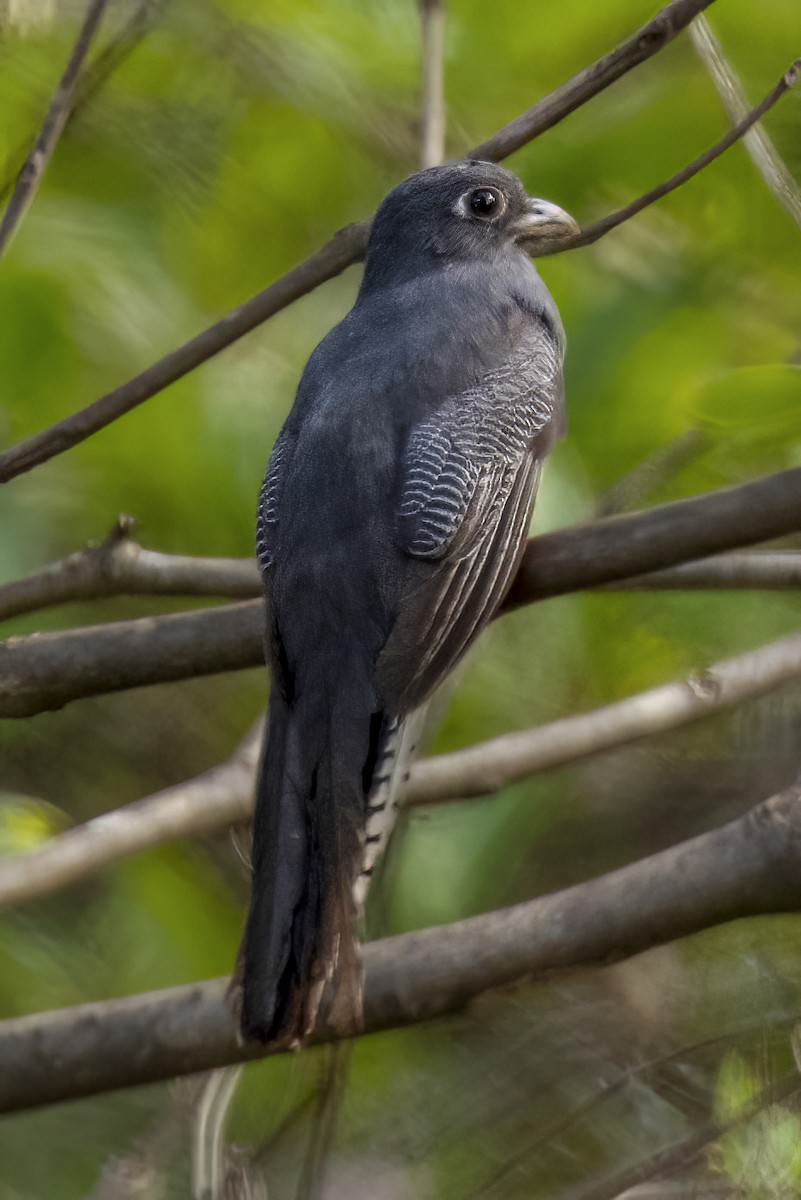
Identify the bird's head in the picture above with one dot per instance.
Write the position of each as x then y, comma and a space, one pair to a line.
466, 210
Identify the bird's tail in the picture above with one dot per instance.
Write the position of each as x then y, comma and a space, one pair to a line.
307, 852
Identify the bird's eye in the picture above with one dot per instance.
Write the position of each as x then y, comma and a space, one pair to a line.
486, 202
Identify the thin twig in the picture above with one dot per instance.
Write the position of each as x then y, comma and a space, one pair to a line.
687, 1151
32, 173
95, 75
757, 141
345, 248
324, 1123
749, 867
432, 117
599, 229
647, 41
208, 1141
558, 1128
225, 794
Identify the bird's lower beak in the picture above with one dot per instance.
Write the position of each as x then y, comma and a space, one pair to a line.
544, 224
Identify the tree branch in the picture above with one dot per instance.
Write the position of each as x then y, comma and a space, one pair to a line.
759, 145
46, 671
748, 867
212, 801
345, 248
593, 232
225, 794
32, 173
432, 120
646, 42
120, 567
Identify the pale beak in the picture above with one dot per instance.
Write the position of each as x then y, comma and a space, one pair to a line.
544, 224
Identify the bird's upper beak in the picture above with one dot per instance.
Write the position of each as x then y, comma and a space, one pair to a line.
544, 223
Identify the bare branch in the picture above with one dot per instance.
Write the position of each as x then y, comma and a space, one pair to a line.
432, 122
96, 74
766, 570
489, 766
748, 867
597, 230
549, 111
46, 671
345, 248
635, 543
120, 567
758, 143
32, 173
214, 800
225, 794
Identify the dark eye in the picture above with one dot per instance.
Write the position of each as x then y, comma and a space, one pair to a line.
486, 202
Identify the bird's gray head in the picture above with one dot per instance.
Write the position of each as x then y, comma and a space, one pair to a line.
466, 210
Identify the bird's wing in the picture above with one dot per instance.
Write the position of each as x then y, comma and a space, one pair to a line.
269, 496
468, 481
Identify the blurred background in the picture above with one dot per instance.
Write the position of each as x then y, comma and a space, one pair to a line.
232, 138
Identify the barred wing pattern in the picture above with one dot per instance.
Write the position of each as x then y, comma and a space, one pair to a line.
469, 479
269, 496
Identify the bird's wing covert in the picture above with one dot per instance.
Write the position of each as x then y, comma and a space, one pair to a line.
468, 481
269, 497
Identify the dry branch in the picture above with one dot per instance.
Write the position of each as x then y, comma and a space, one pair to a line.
32, 173
593, 232
225, 794
345, 248
487, 767
646, 42
120, 567
760, 146
748, 867
46, 671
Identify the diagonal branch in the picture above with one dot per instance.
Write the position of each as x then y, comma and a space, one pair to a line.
748, 867
32, 173
760, 146
225, 794
647, 41
344, 249
592, 233
46, 671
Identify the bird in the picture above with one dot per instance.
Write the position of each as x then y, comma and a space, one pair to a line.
390, 524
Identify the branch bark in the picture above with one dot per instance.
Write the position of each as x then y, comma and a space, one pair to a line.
120, 567
32, 173
46, 671
592, 233
345, 248
225, 794
647, 41
748, 867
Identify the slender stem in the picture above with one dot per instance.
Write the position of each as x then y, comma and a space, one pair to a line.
32, 173
432, 119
